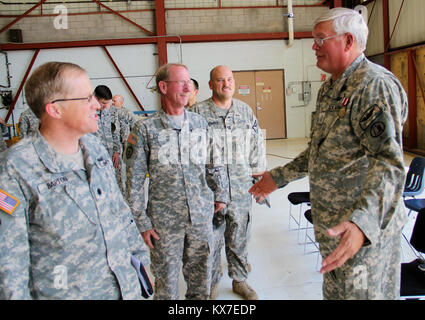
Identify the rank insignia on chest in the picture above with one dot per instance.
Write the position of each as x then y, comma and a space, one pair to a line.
8, 203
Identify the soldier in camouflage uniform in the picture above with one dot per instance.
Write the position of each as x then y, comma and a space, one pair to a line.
3, 131
239, 144
66, 231
28, 123
355, 164
104, 95
127, 119
122, 120
172, 146
109, 130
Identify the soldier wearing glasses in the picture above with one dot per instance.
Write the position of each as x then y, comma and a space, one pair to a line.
66, 231
173, 146
355, 164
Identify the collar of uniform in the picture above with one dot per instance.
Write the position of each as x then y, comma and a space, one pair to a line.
214, 107
167, 123
334, 88
103, 112
54, 163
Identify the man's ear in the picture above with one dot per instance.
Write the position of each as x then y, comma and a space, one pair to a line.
53, 110
349, 41
162, 87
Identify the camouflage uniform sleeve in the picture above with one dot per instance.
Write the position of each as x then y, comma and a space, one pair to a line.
258, 150
23, 127
131, 117
127, 122
3, 130
378, 122
296, 169
108, 138
137, 246
136, 158
216, 175
14, 250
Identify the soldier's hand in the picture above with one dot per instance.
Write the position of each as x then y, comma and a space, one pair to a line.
219, 206
147, 237
264, 187
2, 121
352, 239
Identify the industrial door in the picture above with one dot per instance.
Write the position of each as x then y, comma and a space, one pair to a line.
263, 92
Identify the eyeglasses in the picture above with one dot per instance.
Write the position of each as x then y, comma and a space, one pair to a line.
182, 83
89, 98
321, 41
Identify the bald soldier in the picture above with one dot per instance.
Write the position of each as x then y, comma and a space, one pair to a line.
65, 229
239, 144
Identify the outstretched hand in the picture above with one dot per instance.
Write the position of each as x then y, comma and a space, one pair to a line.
263, 188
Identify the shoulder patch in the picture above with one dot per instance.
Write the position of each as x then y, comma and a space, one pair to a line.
377, 129
132, 139
369, 116
8, 203
129, 152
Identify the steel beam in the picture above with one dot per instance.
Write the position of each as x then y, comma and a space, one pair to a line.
122, 78
161, 32
153, 40
75, 44
21, 16
21, 86
386, 29
412, 140
123, 17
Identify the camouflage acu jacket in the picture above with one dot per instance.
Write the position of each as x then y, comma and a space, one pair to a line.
72, 234
181, 172
355, 157
238, 144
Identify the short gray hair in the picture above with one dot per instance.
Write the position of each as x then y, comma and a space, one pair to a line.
347, 21
45, 82
162, 74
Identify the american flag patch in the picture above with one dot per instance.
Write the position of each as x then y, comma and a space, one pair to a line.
8, 203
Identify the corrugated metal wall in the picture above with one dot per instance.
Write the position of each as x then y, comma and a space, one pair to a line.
376, 35
410, 27
407, 35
